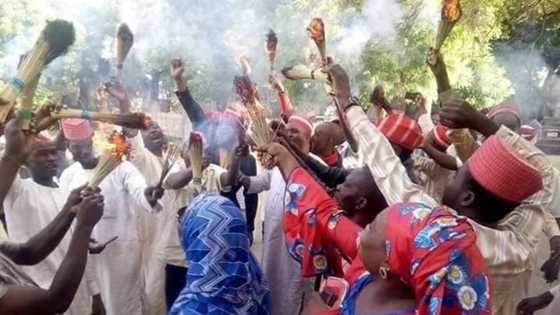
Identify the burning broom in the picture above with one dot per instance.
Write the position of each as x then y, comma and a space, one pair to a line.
125, 40
261, 132
195, 155
316, 31
271, 47
54, 41
111, 158
450, 14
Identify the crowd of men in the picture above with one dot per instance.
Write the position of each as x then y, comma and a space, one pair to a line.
384, 212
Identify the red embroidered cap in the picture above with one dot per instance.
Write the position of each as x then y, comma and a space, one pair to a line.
501, 171
441, 140
76, 129
402, 130
301, 122
505, 107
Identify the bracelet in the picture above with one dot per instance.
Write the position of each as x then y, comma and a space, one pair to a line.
17, 83
25, 114
85, 114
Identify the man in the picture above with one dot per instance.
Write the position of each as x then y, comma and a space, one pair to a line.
507, 114
435, 170
508, 246
405, 135
359, 197
147, 148
26, 215
288, 289
326, 137
19, 293
119, 267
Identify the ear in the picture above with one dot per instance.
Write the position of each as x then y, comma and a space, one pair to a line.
466, 199
361, 203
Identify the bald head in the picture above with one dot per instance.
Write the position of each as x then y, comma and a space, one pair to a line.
360, 197
326, 137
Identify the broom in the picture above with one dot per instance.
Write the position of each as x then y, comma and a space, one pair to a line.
316, 31
125, 40
302, 72
225, 158
128, 120
261, 133
170, 156
54, 41
113, 156
450, 14
270, 47
195, 155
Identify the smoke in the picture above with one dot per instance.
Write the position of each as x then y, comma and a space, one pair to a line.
378, 20
527, 70
210, 36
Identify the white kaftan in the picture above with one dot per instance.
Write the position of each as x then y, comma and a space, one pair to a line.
211, 182
119, 266
152, 227
281, 270
29, 208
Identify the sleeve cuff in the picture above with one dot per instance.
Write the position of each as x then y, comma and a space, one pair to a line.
356, 115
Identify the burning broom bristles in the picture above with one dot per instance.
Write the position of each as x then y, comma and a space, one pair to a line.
54, 41
316, 31
270, 47
450, 14
112, 157
302, 72
195, 155
125, 40
170, 156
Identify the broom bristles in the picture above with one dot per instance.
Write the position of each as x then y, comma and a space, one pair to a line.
110, 159
450, 14
170, 157
128, 120
125, 40
60, 35
195, 154
302, 72
54, 41
316, 30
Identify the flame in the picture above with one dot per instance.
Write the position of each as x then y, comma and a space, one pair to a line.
115, 144
316, 30
451, 10
120, 147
